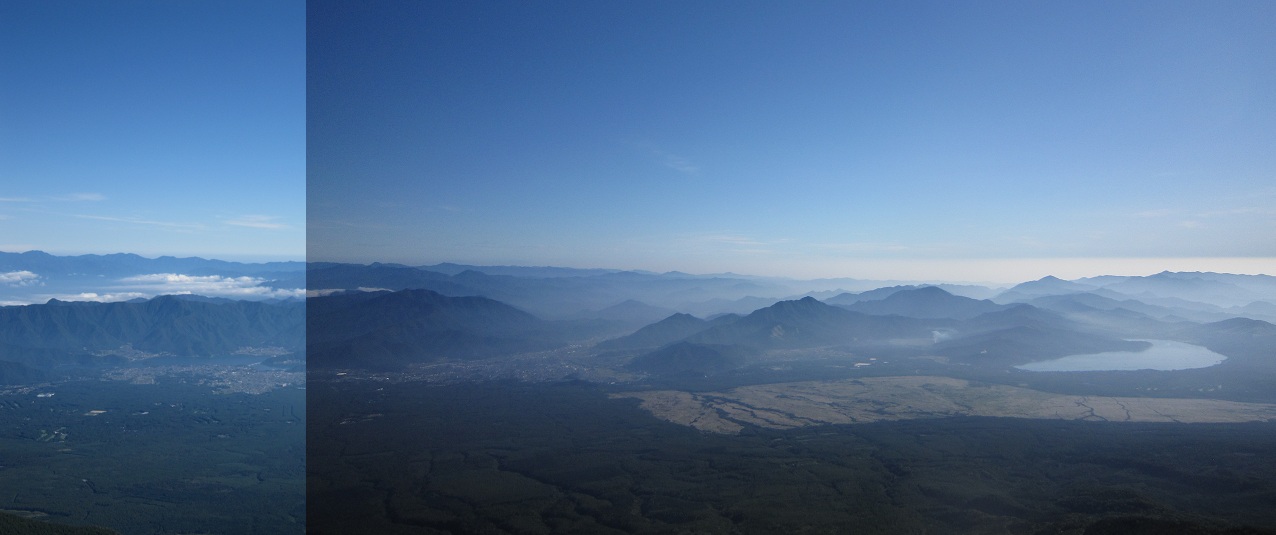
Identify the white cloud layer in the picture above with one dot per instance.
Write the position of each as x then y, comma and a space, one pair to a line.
20, 278
101, 298
207, 285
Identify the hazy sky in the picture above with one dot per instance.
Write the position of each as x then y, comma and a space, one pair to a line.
153, 127
967, 140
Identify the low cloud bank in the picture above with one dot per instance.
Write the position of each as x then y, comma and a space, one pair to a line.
27, 288
251, 288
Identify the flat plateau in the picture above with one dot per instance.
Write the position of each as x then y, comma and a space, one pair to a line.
798, 404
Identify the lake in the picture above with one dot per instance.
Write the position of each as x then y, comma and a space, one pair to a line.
1163, 355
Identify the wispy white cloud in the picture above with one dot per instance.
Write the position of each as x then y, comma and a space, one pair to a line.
1160, 212
20, 278
727, 243
863, 247
100, 297
78, 197
677, 163
136, 221
731, 239
70, 197
258, 221
1238, 211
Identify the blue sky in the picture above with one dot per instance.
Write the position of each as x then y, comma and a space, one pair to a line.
153, 127
931, 140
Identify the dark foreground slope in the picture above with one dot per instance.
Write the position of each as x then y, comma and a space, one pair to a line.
170, 457
11, 524
562, 458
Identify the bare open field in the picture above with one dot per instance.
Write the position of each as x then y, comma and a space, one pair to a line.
788, 405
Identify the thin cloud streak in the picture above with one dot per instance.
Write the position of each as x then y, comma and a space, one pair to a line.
72, 197
79, 197
864, 247
677, 163
165, 224
730, 240
258, 221
97, 297
1150, 214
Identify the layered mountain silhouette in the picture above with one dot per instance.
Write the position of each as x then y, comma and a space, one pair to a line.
1032, 321
666, 331
1249, 343
125, 264
1048, 285
1191, 287
1006, 336
808, 322
849, 298
926, 302
562, 293
42, 336
552, 293
165, 324
1026, 343
627, 315
388, 330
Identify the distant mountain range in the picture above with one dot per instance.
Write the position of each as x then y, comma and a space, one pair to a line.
36, 277
124, 264
666, 331
467, 312
561, 293
925, 302
1215, 289
387, 316
387, 330
561, 296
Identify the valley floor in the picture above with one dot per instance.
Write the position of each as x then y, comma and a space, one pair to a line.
571, 457
873, 399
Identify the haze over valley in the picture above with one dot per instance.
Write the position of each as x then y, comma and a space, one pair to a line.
747, 357
437, 267
166, 394
772, 268
718, 329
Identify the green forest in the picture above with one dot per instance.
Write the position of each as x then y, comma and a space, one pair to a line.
560, 458
157, 458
